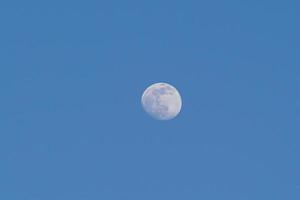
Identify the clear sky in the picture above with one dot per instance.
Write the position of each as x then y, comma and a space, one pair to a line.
71, 122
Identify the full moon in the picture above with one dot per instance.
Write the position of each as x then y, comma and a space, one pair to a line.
162, 101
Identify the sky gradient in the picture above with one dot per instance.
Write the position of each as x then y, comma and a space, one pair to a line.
71, 122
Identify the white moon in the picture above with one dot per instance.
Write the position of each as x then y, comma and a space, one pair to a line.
162, 101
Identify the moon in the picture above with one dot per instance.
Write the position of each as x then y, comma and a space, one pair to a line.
162, 101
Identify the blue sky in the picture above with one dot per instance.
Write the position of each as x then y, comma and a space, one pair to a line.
71, 122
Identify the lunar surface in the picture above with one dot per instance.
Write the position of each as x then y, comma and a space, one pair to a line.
162, 101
